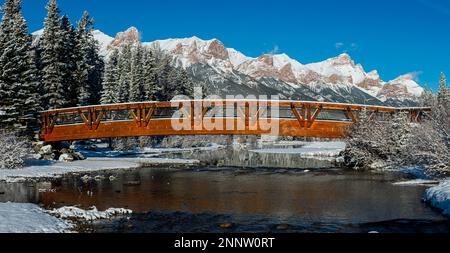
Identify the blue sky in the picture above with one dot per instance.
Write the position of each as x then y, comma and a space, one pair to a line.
395, 37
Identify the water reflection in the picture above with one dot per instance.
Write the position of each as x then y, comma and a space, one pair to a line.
334, 196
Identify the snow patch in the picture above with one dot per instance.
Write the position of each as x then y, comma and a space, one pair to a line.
29, 218
71, 212
439, 197
417, 182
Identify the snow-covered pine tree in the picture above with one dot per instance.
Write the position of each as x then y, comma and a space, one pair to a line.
8, 113
443, 96
124, 69
151, 85
27, 98
137, 78
69, 61
90, 66
52, 47
111, 79
167, 80
427, 97
185, 84
19, 77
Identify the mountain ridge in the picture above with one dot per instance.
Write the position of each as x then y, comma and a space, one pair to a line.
338, 78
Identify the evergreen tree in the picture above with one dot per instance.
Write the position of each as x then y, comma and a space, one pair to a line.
69, 62
90, 66
136, 78
18, 73
124, 79
185, 84
111, 80
52, 49
150, 82
443, 93
167, 79
426, 99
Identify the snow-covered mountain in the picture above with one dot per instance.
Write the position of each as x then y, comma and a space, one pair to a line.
228, 71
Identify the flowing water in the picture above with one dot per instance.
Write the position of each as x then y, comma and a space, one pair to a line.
240, 200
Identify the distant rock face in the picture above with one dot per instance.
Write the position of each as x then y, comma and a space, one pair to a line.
227, 70
217, 50
402, 88
372, 83
130, 36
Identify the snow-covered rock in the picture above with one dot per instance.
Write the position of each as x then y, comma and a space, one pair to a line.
66, 158
439, 197
29, 218
71, 212
46, 150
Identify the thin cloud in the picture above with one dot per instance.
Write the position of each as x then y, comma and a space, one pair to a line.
275, 50
435, 6
341, 46
415, 75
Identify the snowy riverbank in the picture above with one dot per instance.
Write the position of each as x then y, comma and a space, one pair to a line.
439, 197
47, 169
305, 149
29, 218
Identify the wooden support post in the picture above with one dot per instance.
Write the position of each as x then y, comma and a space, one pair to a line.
246, 115
192, 115
308, 117
44, 122
314, 117
148, 116
300, 118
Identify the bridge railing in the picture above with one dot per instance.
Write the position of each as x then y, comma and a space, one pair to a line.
142, 114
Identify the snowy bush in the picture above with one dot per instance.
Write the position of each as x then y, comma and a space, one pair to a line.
13, 150
398, 142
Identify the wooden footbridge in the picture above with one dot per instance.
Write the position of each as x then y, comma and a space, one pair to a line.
210, 117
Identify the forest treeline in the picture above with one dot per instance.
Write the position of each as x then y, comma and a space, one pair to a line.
62, 67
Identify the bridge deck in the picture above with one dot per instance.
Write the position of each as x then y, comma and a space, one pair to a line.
208, 117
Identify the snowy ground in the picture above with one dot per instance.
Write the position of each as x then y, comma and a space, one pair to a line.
46, 169
306, 149
29, 218
439, 197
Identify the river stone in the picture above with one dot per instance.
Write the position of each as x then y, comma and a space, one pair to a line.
49, 157
66, 158
78, 156
226, 225
46, 150
37, 146
132, 183
65, 151
282, 227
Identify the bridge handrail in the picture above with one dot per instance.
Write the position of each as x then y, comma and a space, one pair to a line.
225, 102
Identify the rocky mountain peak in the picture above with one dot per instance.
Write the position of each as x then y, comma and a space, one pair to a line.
266, 59
130, 37
342, 59
217, 50
339, 74
373, 75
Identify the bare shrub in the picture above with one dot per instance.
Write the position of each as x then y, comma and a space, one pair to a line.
13, 150
398, 142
